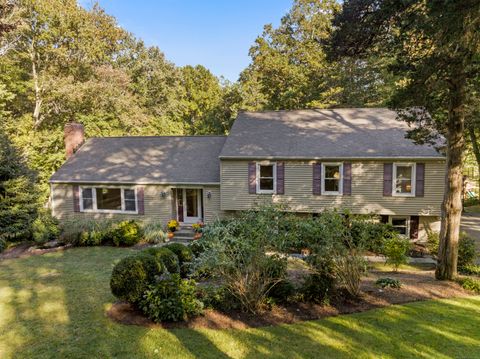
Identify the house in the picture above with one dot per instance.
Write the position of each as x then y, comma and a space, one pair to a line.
311, 160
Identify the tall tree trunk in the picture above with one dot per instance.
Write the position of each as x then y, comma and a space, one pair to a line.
38, 95
476, 151
452, 201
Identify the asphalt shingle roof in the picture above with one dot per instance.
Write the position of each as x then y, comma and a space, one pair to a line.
316, 134
162, 159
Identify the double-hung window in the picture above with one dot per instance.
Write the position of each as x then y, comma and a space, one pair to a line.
332, 178
266, 177
108, 199
404, 179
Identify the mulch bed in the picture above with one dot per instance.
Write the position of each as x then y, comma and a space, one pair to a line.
28, 249
416, 286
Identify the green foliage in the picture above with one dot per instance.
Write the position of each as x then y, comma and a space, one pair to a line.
470, 284
433, 240
171, 299
86, 232
236, 251
153, 232
318, 288
371, 234
396, 249
185, 257
45, 228
217, 297
18, 197
132, 276
3, 245
466, 248
388, 283
127, 233
166, 256
289, 68
183, 252
282, 291
470, 269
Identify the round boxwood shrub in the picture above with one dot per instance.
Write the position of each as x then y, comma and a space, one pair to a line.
183, 252
318, 287
166, 256
185, 257
132, 275
126, 233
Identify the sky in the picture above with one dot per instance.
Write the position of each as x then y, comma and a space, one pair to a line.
214, 33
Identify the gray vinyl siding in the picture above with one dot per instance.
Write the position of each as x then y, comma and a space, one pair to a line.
157, 208
367, 190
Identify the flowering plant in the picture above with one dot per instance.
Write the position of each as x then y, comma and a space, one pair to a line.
172, 225
198, 227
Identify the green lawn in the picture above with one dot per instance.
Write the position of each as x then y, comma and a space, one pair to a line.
54, 306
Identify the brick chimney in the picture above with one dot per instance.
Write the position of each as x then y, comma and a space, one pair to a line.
74, 135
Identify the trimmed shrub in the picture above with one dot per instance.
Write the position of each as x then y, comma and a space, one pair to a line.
171, 299
132, 275
317, 288
388, 283
127, 233
395, 250
166, 256
183, 252
45, 228
3, 245
153, 232
185, 257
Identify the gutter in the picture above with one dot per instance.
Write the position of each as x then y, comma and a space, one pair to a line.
136, 182
429, 158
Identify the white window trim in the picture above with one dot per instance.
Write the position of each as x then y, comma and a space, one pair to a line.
407, 218
340, 184
394, 179
274, 190
94, 200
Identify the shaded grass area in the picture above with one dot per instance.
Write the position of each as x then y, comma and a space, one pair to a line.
54, 306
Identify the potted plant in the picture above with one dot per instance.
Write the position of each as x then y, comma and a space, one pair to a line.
172, 226
198, 229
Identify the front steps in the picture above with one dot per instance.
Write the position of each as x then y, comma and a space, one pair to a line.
183, 235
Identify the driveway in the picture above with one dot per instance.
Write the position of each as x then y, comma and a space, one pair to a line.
471, 225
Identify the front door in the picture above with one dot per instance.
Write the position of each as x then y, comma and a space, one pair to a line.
192, 205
